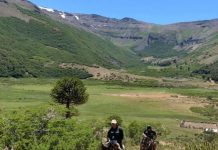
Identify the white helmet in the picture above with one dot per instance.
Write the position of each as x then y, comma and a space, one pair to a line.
113, 121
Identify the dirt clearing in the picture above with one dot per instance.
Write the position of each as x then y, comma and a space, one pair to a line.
144, 95
198, 125
172, 101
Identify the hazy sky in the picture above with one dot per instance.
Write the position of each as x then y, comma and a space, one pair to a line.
154, 11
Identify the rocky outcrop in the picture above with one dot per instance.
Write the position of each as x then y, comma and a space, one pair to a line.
163, 38
191, 41
129, 20
159, 61
128, 37
36, 9
3, 1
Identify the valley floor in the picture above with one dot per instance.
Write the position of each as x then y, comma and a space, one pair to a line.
166, 106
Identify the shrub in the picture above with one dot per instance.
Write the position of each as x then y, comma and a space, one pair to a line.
45, 128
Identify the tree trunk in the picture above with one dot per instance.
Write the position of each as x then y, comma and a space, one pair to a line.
68, 111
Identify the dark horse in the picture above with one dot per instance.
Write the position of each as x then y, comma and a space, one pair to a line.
110, 147
147, 144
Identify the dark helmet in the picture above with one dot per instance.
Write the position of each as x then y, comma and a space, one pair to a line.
149, 127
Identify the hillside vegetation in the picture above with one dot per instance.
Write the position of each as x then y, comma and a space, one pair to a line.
179, 49
37, 47
35, 42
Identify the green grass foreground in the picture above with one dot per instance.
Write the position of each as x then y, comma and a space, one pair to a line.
105, 100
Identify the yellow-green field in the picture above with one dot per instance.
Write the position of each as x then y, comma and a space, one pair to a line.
161, 105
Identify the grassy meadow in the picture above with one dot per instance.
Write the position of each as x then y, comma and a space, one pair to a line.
164, 106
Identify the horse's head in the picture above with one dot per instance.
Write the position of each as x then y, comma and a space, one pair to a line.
114, 147
145, 143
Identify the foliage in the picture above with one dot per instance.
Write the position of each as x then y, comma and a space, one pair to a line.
209, 71
69, 91
37, 48
45, 128
136, 83
19, 94
214, 71
200, 146
197, 92
202, 141
209, 110
160, 49
136, 129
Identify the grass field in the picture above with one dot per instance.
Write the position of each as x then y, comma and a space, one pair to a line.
167, 106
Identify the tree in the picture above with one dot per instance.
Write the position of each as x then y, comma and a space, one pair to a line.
69, 91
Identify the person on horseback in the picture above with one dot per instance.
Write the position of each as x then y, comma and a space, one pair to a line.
115, 135
151, 135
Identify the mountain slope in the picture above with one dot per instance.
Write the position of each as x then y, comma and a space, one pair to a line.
167, 50
143, 38
32, 44
39, 39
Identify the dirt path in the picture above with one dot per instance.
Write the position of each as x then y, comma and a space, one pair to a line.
107, 74
112, 74
160, 96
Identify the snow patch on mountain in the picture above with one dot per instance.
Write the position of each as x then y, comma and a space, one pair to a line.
63, 15
77, 18
47, 9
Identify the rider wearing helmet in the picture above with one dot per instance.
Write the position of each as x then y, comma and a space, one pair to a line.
115, 134
151, 134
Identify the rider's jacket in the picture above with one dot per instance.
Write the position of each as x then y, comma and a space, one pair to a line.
151, 134
116, 134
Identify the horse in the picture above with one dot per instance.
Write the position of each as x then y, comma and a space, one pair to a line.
111, 146
147, 144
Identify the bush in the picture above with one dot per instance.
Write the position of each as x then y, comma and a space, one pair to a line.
209, 110
213, 69
45, 128
136, 129
204, 141
209, 97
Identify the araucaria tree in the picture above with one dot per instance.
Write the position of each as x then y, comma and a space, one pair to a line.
69, 91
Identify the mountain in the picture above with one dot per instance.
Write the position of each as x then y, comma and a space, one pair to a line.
145, 38
45, 38
33, 44
184, 48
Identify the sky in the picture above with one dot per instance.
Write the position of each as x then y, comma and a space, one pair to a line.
152, 11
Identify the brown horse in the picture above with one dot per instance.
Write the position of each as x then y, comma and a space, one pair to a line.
110, 147
147, 144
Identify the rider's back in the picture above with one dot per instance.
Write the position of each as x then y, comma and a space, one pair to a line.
116, 134
151, 134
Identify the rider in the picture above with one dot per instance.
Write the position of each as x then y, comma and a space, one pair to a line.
151, 134
115, 134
